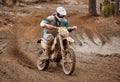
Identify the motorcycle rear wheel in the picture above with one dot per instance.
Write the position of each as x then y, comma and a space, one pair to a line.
69, 63
42, 65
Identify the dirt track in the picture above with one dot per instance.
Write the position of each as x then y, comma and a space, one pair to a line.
88, 69
18, 49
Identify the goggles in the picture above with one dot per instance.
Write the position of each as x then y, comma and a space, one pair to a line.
60, 16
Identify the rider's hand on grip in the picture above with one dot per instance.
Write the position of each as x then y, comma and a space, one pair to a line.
75, 27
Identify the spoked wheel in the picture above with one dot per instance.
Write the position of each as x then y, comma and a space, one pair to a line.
69, 63
42, 65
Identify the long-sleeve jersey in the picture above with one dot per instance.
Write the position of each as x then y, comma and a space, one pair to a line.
52, 20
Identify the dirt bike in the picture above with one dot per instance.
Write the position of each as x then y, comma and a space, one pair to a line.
59, 53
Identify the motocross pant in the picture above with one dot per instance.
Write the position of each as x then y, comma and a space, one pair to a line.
49, 40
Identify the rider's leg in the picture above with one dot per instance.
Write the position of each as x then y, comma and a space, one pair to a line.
49, 40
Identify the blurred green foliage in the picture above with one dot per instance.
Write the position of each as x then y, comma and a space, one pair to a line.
108, 8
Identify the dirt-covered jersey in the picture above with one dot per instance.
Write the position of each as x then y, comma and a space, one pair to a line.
52, 20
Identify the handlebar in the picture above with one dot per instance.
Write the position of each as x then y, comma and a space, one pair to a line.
54, 27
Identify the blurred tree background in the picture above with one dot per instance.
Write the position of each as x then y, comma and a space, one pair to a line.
107, 7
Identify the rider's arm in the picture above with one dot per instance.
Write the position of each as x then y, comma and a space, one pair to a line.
46, 23
50, 26
72, 28
65, 23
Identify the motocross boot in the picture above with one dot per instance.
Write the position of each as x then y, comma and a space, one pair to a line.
49, 43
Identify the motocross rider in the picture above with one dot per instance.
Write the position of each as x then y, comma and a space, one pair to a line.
50, 25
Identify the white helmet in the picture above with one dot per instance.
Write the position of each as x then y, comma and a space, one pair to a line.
60, 13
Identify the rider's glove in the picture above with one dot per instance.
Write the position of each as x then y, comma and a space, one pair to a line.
74, 27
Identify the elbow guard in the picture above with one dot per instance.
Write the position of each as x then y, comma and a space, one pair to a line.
42, 24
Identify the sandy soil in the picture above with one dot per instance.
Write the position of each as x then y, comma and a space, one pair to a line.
96, 46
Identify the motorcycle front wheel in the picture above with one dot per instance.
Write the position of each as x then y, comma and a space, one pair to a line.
42, 65
69, 62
